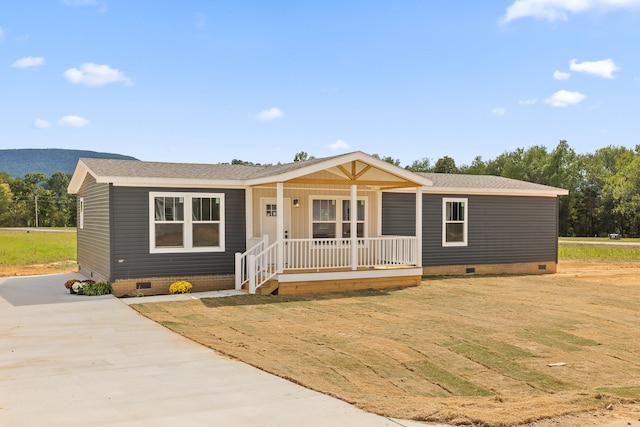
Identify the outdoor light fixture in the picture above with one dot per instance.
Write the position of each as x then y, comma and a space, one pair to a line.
296, 203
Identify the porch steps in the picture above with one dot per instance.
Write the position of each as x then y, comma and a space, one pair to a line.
268, 288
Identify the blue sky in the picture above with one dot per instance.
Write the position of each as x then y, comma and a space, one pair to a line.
211, 81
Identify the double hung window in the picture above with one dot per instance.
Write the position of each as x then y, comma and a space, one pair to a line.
186, 222
346, 218
331, 218
454, 222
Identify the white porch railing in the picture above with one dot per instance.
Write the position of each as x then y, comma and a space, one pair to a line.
317, 254
259, 264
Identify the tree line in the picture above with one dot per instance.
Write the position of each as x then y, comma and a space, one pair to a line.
36, 201
604, 187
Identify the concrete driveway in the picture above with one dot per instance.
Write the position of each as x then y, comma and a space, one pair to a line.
69, 360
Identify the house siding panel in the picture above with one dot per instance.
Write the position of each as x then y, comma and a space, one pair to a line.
131, 257
501, 229
94, 240
398, 214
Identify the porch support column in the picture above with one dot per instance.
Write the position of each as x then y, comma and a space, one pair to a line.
354, 227
248, 206
280, 225
418, 226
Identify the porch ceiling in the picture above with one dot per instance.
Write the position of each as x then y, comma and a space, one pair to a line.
355, 172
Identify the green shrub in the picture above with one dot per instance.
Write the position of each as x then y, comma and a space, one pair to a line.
180, 287
97, 288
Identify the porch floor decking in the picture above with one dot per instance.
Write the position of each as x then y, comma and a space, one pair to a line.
293, 282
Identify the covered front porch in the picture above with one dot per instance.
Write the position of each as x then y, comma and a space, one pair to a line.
319, 229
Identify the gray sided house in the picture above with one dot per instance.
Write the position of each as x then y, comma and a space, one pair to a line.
338, 223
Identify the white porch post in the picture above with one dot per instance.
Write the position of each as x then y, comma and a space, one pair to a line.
280, 225
418, 226
248, 206
354, 227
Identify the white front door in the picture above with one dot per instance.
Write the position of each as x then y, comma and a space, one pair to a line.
268, 215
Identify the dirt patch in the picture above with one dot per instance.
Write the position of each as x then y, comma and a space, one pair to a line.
617, 273
38, 269
473, 350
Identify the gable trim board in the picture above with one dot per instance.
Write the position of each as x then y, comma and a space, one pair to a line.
510, 223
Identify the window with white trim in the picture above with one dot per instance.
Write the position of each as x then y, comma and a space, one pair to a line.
81, 220
186, 222
454, 222
324, 218
331, 218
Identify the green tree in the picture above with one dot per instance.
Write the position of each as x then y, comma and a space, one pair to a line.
422, 165
61, 205
24, 192
6, 198
477, 167
445, 165
301, 156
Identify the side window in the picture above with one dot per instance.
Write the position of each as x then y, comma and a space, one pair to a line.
454, 222
81, 213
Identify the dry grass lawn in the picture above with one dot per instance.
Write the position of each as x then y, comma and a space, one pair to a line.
457, 350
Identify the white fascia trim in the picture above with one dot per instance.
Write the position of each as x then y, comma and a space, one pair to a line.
79, 174
344, 275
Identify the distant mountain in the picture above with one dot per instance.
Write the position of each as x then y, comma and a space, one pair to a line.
17, 163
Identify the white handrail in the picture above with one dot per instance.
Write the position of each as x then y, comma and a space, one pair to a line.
256, 245
262, 267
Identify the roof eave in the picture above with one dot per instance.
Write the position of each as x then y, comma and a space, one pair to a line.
78, 177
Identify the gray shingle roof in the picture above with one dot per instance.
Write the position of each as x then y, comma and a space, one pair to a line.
118, 170
451, 180
221, 171
139, 169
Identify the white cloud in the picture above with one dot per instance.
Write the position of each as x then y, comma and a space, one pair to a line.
499, 111
29, 61
563, 98
91, 74
528, 101
41, 124
338, 145
554, 10
604, 68
269, 114
73, 121
560, 75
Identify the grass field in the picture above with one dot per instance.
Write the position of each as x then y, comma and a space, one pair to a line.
599, 249
37, 246
457, 350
